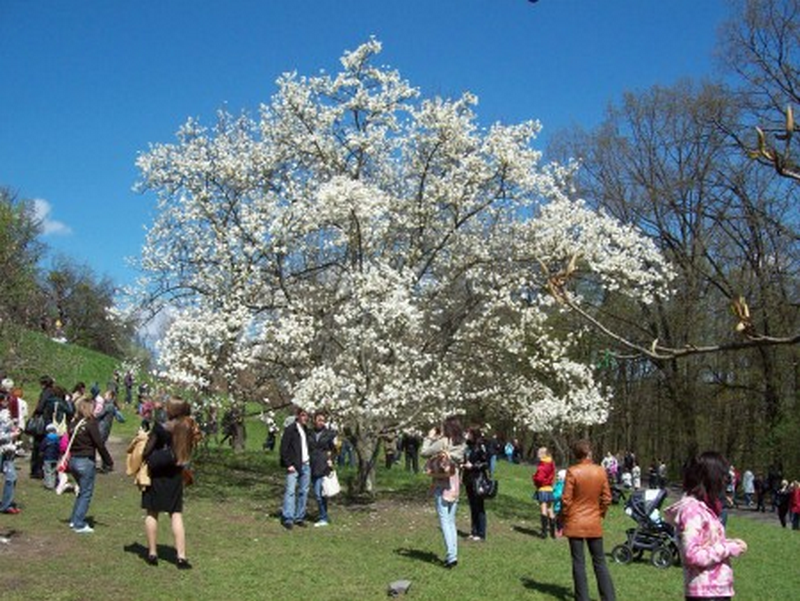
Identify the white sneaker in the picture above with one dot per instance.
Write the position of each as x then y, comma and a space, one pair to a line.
320, 524
85, 530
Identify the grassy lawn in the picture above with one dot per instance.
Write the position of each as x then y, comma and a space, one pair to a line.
240, 550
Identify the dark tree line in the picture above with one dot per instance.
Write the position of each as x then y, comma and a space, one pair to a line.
708, 170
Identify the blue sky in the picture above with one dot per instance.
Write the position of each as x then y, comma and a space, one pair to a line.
87, 85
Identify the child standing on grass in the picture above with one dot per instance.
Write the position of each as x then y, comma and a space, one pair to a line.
50, 450
705, 551
558, 491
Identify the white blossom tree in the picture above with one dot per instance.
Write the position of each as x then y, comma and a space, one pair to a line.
381, 255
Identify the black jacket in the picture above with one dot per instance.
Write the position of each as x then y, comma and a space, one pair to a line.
478, 458
291, 446
320, 447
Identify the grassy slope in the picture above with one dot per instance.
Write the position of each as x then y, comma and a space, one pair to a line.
241, 552
28, 355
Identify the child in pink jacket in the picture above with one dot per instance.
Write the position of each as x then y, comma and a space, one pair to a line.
705, 552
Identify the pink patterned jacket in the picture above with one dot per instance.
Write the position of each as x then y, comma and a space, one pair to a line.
705, 551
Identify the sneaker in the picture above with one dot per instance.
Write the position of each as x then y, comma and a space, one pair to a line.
87, 529
300, 524
287, 525
13, 510
321, 523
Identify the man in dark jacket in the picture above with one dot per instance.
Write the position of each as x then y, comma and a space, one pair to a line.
296, 459
321, 446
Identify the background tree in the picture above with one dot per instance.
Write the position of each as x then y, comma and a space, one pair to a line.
83, 304
667, 160
20, 252
381, 256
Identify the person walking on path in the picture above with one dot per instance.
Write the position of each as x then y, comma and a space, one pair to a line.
297, 461
584, 502
705, 551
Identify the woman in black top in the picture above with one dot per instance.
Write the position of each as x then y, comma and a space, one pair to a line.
476, 463
168, 451
86, 441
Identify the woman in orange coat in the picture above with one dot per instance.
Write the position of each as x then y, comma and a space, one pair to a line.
584, 502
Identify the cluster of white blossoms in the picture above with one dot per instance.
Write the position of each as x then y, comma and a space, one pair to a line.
380, 255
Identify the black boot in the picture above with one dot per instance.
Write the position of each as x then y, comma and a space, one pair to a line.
552, 524
544, 525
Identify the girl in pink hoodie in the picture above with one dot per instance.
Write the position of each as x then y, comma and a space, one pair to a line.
705, 552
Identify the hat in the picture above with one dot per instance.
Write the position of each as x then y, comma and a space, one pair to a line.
51, 428
7, 384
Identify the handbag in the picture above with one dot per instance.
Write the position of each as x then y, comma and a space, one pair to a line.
35, 425
330, 485
160, 459
485, 486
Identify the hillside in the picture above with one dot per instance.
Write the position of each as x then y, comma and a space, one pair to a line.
26, 355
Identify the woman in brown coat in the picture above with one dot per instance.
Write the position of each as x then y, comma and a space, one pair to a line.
584, 502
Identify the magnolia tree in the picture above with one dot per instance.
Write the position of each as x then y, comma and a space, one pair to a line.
380, 255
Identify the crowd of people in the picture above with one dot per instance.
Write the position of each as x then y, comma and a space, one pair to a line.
64, 433
69, 430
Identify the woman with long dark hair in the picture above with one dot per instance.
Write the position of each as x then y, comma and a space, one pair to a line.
446, 443
705, 551
167, 453
476, 464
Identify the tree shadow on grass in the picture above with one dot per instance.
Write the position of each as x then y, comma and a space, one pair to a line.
419, 555
553, 591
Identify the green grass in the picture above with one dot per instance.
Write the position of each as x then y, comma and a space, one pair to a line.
240, 551
28, 355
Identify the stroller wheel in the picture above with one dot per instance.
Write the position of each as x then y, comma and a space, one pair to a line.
622, 554
662, 557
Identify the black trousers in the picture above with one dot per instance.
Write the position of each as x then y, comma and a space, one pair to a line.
477, 512
604, 584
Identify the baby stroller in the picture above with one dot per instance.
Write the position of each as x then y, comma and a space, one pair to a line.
651, 532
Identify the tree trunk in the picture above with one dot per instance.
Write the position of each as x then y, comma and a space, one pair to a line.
366, 446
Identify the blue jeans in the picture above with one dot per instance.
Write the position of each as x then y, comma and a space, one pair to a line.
9, 475
447, 521
294, 503
322, 502
84, 470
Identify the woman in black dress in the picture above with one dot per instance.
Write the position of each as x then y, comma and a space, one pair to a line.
168, 450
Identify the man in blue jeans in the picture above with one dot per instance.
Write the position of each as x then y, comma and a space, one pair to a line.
295, 458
